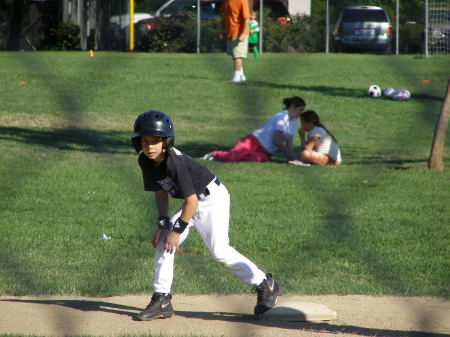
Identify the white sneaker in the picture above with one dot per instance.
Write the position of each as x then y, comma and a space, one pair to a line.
298, 163
243, 79
208, 156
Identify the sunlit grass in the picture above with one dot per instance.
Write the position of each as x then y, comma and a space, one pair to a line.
376, 225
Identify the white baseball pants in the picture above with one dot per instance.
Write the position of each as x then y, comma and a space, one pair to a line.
211, 220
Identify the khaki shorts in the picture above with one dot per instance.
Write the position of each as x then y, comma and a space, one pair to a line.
237, 49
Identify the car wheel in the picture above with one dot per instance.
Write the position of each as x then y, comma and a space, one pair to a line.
388, 49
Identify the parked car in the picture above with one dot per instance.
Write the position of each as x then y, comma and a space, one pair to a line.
439, 28
209, 9
118, 29
364, 28
277, 10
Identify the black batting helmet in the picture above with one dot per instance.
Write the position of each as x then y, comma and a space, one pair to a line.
153, 123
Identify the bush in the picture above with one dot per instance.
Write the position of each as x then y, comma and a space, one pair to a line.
65, 36
302, 35
179, 34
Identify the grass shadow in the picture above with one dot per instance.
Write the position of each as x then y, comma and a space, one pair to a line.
84, 305
70, 139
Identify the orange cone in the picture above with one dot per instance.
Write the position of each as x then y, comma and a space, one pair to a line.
91, 53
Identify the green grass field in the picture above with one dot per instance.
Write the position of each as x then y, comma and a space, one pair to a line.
379, 224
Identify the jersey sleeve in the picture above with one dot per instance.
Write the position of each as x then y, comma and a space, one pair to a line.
280, 125
245, 10
317, 132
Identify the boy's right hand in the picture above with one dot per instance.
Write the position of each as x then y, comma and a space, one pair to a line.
159, 234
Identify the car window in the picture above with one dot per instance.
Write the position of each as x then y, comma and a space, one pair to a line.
436, 14
208, 9
362, 15
275, 9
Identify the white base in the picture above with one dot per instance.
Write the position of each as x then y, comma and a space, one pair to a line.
301, 311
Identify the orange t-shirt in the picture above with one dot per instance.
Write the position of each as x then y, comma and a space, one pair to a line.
235, 12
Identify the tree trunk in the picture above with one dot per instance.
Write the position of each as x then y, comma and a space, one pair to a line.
15, 26
103, 15
435, 161
82, 23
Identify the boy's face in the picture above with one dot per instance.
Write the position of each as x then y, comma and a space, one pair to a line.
152, 146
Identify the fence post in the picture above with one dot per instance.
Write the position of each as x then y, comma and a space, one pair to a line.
261, 23
397, 26
198, 26
426, 29
327, 29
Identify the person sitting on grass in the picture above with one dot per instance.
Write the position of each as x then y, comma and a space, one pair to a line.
276, 134
205, 208
318, 145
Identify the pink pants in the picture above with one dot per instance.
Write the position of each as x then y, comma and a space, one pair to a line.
245, 149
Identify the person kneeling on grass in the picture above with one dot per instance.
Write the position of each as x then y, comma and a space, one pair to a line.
167, 171
276, 134
318, 145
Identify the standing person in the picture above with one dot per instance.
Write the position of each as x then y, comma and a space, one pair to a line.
276, 134
253, 37
318, 145
167, 171
236, 18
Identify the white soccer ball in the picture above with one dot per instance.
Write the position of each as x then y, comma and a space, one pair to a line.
401, 95
406, 95
374, 91
388, 92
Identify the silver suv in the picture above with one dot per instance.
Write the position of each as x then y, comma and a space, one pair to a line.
365, 28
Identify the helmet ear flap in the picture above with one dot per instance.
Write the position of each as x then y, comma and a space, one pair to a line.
168, 142
137, 143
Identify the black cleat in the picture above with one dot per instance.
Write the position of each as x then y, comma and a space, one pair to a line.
268, 292
159, 307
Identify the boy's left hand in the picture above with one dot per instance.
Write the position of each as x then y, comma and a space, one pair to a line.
172, 242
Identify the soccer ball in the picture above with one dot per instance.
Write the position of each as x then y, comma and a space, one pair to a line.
388, 92
401, 95
374, 91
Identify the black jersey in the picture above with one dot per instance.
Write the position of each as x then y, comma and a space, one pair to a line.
178, 174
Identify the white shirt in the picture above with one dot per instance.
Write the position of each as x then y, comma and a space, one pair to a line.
280, 122
325, 144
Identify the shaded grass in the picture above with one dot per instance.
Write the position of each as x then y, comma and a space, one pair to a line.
376, 225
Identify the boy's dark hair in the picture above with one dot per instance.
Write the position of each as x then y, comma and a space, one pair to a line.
310, 116
294, 100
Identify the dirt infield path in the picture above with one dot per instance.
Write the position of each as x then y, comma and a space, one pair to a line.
227, 316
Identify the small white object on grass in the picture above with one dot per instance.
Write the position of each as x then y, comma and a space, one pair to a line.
298, 163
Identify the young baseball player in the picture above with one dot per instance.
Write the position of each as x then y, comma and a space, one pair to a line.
167, 171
